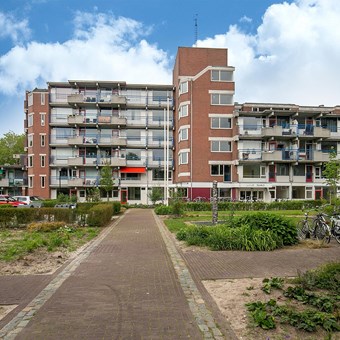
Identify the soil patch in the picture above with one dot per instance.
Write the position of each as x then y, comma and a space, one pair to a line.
6, 309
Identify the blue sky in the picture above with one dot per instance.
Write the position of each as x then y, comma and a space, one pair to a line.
283, 51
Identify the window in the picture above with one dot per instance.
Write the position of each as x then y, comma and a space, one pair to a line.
133, 135
216, 170
42, 160
251, 123
43, 181
158, 155
309, 192
253, 171
221, 99
42, 98
30, 140
183, 158
221, 75
159, 96
130, 177
220, 123
318, 173
42, 119
158, 116
299, 170
30, 181
133, 155
30, 120
134, 194
183, 111
282, 169
158, 135
183, 87
158, 175
30, 99
220, 146
82, 193
183, 134
42, 140
30, 161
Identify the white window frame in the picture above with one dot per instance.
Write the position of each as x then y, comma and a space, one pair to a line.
183, 157
30, 140
183, 134
219, 75
43, 139
30, 161
42, 98
43, 181
30, 120
219, 123
182, 114
220, 169
219, 96
214, 143
183, 87
42, 119
30, 181
43, 161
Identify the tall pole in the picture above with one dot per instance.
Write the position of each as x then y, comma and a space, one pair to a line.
167, 151
164, 156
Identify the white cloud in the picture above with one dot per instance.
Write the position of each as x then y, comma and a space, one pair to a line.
103, 47
246, 19
10, 27
293, 57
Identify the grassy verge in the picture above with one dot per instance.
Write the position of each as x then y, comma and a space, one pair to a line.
17, 243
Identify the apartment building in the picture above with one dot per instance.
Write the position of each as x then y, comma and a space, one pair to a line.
13, 178
184, 135
75, 128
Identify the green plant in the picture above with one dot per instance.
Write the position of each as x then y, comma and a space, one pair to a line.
156, 194
163, 210
99, 215
106, 180
274, 282
261, 317
281, 226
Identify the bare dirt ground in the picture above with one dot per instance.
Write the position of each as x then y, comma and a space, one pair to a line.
231, 297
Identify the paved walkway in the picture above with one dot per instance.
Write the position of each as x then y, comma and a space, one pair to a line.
133, 282
124, 286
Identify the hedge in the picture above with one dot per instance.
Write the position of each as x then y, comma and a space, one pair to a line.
99, 215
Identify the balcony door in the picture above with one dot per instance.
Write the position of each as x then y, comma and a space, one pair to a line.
272, 173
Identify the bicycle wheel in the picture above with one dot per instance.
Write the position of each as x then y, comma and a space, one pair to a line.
322, 232
303, 230
336, 233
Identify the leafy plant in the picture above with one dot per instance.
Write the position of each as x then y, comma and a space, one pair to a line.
275, 282
261, 317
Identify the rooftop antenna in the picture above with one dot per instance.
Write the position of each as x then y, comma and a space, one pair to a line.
196, 29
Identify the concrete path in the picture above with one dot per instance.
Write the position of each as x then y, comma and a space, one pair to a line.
124, 286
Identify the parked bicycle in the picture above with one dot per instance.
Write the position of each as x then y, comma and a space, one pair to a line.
304, 228
324, 231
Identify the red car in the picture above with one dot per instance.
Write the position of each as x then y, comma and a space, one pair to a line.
6, 199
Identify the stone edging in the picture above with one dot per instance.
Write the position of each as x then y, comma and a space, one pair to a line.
202, 315
17, 324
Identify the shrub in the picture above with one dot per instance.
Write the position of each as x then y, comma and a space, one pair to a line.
45, 226
225, 238
163, 210
116, 207
279, 225
99, 215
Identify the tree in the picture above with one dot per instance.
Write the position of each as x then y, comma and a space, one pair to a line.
11, 144
156, 194
331, 173
106, 180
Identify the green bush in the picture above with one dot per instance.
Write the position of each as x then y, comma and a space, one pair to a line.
163, 210
99, 215
324, 277
225, 238
279, 225
116, 207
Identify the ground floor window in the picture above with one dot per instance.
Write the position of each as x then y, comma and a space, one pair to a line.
253, 171
251, 195
134, 194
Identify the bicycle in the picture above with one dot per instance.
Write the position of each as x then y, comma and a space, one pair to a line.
304, 229
325, 232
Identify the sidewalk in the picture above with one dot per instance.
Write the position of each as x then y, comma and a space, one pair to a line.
125, 288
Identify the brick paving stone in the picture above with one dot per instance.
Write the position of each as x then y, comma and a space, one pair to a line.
125, 289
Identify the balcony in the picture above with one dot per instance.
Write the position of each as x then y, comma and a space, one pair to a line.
76, 182
111, 120
75, 161
117, 161
75, 98
75, 119
112, 99
320, 156
112, 141
311, 131
280, 156
4, 182
75, 140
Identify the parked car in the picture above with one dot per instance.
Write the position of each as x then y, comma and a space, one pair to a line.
30, 201
6, 199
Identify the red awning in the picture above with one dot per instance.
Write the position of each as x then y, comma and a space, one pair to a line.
132, 170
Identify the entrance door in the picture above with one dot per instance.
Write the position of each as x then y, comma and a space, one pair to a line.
123, 196
272, 173
309, 173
